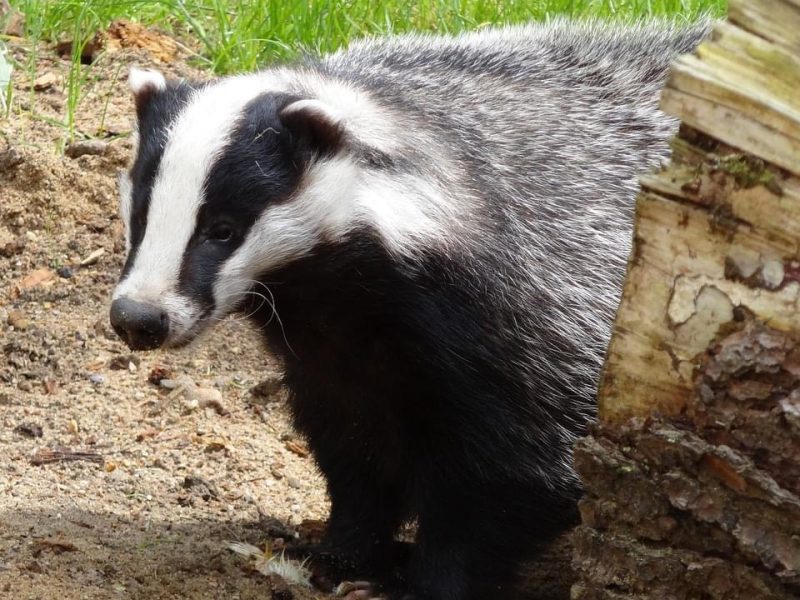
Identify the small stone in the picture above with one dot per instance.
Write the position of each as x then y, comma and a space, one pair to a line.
18, 320
96, 378
294, 482
200, 487
29, 430
84, 147
44, 82
123, 362
65, 272
266, 390
190, 405
169, 384
14, 247
25, 386
215, 445
10, 159
205, 396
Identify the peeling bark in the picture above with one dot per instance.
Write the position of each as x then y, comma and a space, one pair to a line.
692, 477
703, 504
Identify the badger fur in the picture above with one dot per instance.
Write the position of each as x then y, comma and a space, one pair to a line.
431, 233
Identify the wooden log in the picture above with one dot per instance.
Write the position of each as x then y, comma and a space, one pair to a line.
692, 476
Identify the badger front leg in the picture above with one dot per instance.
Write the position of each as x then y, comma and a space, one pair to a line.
364, 517
365, 512
358, 543
467, 549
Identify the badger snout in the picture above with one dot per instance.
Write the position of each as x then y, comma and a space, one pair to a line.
142, 326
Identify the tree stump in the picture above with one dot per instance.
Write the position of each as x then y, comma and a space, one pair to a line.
693, 474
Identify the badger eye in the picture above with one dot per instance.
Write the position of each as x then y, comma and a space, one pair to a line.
220, 233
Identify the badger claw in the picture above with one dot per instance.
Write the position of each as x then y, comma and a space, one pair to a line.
359, 590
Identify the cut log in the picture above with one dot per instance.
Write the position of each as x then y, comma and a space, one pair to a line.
692, 476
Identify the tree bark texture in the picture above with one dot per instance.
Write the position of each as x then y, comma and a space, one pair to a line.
693, 474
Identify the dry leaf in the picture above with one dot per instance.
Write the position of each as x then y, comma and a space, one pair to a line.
38, 277
298, 448
93, 257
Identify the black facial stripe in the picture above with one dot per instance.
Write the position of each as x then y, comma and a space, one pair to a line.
255, 170
154, 119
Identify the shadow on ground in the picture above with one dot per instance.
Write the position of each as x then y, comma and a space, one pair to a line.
77, 554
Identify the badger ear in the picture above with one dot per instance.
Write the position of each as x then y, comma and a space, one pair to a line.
145, 84
316, 127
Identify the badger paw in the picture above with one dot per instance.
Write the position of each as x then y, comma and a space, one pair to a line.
326, 566
359, 590
366, 590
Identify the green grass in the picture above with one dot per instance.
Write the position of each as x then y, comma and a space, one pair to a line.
241, 35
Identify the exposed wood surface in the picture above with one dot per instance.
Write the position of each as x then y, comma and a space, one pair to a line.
693, 475
720, 226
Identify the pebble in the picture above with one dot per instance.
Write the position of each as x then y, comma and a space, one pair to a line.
65, 272
96, 378
128, 362
170, 384
118, 474
45, 81
84, 147
10, 159
18, 320
29, 430
267, 389
294, 482
13, 247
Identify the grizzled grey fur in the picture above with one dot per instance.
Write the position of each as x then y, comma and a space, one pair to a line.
432, 234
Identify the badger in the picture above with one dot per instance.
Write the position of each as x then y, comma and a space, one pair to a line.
431, 234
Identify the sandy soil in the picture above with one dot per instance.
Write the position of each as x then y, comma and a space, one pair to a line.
112, 486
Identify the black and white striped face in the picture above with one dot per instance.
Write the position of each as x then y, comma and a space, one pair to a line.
208, 204
239, 177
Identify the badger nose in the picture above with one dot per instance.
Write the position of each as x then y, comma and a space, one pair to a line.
142, 326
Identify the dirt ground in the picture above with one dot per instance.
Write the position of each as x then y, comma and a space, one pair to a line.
121, 476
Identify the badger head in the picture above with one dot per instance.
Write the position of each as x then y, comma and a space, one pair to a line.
241, 176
